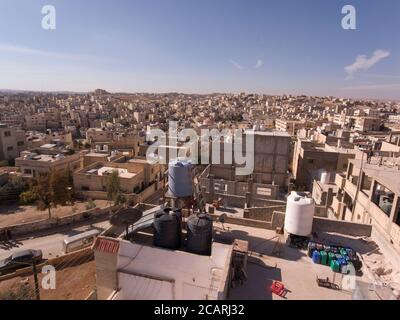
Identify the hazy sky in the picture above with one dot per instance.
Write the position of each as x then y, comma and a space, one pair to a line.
264, 46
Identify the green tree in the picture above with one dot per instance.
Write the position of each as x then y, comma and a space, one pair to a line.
3, 163
44, 191
28, 197
113, 187
12, 189
61, 184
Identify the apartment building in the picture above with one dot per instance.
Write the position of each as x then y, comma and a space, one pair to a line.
271, 154
369, 193
12, 142
310, 157
35, 122
290, 126
13, 120
367, 124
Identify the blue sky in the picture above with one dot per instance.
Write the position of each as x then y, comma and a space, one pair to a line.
263, 46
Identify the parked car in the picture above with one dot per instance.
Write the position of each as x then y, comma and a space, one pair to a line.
20, 259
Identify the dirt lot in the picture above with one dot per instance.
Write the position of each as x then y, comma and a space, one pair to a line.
73, 283
15, 214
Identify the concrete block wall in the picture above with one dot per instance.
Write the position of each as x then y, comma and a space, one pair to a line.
27, 228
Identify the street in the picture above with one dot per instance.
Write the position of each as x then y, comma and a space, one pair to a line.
50, 244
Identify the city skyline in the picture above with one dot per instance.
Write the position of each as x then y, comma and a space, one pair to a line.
274, 47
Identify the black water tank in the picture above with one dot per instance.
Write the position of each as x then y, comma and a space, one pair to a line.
167, 229
199, 234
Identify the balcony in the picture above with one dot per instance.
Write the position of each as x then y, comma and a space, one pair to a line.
340, 181
350, 188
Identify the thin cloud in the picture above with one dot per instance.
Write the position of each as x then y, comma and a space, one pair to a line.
6, 47
382, 76
362, 62
374, 87
236, 65
259, 64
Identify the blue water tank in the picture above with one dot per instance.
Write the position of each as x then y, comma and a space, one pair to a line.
180, 183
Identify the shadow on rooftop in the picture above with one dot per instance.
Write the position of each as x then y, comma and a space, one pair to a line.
259, 280
259, 246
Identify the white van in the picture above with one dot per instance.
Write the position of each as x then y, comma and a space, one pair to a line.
80, 241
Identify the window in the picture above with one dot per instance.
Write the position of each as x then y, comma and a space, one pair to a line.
7, 133
10, 148
28, 171
310, 161
348, 201
397, 214
383, 198
20, 143
366, 183
350, 172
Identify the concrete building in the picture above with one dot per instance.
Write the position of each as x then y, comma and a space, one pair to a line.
92, 180
12, 142
35, 122
47, 159
309, 158
370, 194
139, 271
290, 126
137, 179
271, 155
93, 157
367, 124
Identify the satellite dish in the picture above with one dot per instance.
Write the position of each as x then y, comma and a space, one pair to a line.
126, 217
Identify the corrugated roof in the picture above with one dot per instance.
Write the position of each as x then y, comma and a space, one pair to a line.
106, 245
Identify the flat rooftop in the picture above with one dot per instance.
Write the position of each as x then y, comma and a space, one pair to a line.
293, 267
102, 171
97, 154
388, 176
177, 274
43, 158
269, 133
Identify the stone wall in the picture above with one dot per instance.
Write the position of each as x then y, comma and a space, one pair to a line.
27, 228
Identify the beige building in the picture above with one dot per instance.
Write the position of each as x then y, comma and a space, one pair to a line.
135, 177
271, 155
139, 271
367, 124
370, 195
12, 142
290, 126
309, 158
47, 159
35, 122
109, 140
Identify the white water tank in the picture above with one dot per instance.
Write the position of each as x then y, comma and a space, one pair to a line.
180, 182
299, 214
325, 177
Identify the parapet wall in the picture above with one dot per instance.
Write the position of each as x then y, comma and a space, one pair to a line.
328, 225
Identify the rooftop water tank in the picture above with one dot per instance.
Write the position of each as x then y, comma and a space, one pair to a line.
325, 177
199, 234
167, 229
180, 183
299, 214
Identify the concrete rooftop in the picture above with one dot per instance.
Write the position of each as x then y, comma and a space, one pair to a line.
293, 267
